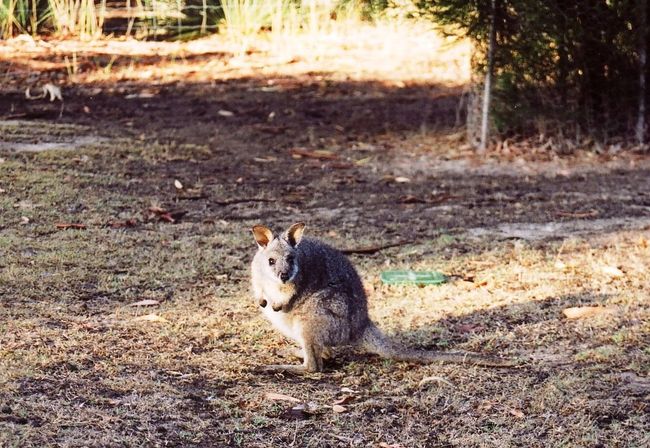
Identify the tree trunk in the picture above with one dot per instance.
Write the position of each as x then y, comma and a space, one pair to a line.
487, 92
643, 55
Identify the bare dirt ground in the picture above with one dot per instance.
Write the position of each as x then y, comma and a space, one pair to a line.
143, 184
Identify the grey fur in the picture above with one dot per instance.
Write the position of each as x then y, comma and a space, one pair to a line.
312, 294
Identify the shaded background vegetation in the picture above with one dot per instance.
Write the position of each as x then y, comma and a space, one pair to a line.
572, 69
564, 67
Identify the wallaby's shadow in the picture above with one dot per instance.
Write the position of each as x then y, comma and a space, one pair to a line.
527, 320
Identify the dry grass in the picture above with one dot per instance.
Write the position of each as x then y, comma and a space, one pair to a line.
79, 367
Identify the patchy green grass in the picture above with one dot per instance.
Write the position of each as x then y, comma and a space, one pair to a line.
81, 366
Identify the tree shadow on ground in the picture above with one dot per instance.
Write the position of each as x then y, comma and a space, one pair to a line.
246, 129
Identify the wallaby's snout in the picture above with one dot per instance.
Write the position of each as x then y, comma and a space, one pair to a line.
285, 276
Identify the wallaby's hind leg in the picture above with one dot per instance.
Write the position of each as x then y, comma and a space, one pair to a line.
298, 353
313, 361
312, 354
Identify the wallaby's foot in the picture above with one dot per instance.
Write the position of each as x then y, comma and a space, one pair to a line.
293, 353
297, 353
287, 368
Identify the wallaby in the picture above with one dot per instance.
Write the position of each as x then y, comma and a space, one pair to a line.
313, 295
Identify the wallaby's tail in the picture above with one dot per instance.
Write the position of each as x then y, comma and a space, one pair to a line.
374, 341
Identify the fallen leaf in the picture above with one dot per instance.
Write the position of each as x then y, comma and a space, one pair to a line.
612, 271
344, 400
517, 413
143, 94
581, 312
339, 409
270, 129
299, 412
402, 179
485, 406
225, 113
410, 199
434, 379
393, 445
347, 390
178, 184
321, 154
122, 224
167, 216
280, 397
192, 194
24, 220
578, 215
150, 318
145, 302
69, 225
265, 159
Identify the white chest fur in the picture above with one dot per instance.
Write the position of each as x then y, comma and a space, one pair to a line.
283, 323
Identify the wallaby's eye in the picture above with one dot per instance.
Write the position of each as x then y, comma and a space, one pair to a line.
271, 261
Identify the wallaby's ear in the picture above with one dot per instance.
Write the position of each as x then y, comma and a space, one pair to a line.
263, 235
294, 234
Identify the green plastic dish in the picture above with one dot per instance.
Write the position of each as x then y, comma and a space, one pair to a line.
413, 277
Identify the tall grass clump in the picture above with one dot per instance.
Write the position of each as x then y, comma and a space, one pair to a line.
239, 20
80, 18
22, 16
244, 19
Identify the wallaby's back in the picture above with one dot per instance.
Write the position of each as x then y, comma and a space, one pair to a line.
326, 277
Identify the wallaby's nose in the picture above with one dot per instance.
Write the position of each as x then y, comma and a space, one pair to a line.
284, 276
